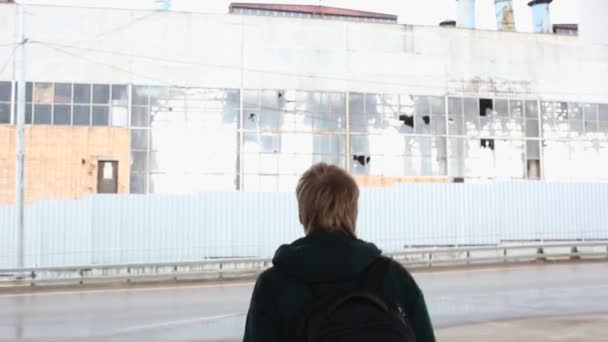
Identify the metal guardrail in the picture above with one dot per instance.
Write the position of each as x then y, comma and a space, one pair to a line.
244, 267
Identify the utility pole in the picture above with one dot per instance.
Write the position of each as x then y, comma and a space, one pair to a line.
20, 169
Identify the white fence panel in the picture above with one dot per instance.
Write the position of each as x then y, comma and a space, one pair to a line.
108, 229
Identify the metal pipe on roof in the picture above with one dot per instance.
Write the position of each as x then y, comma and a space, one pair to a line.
541, 19
466, 13
505, 19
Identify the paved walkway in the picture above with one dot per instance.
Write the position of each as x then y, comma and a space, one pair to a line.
571, 329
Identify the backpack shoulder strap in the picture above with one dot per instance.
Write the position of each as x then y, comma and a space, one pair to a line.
374, 276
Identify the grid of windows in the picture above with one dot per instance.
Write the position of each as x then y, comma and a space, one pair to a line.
195, 139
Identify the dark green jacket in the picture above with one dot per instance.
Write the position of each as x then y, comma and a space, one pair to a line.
282, 292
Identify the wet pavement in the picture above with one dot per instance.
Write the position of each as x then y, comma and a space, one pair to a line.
457, 299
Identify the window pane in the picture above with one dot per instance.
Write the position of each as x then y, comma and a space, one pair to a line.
120, 116
501, 108
603, 112
356, 103
42, 114
139, 139
63, 93
455, 106
101, 93
62, 115
82, 115
471, 108
532, 129
82, 93
5, 91
437, 105
28, 91
43, 93
516, 109
101, 115
120, 94
139, 161
140, 117
137, 183
5, 113
140, 96
422, 106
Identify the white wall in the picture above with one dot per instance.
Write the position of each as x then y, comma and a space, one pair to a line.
209, 50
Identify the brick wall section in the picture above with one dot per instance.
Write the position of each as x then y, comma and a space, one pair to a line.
61, 162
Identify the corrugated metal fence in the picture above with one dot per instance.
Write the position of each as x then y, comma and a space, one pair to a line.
106, 229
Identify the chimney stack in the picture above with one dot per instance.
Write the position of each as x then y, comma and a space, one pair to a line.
541, 20
505, 19
466, 13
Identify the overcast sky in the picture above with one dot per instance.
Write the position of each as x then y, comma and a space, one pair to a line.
417, 12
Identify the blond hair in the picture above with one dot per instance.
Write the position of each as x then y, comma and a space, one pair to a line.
328, 199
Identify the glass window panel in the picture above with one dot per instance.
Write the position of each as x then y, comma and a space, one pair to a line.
531, 109
101, 116
575, 111
82, 93
139, 161
42, 114
438, 125
321, 102
328, 144
43, 93
590, 112
338, 102
533, 150
28, 91
437, 105
356, 103
137, 183
373, 104
82, 115
269, 119
576, 128
63, 93
140, 117
455, 106
603, 128
516, 108
139, 139
501, 108
120, 116
422, 105
28, 113
5, 113
251, 119
120, 94
561, 111
271, 99
602, 112
358, 123
532, 129
328, 159
140, 96
5, 91
456, 125
422, 123
359, 144
471, 108
101, 93
62, 115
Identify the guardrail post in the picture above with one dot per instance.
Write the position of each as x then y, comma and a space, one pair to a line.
574, 252
430, 259
540, 254
468, 257
504, 255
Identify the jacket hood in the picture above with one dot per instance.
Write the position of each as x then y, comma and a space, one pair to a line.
324, 256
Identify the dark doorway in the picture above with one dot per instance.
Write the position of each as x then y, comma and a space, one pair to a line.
107, 177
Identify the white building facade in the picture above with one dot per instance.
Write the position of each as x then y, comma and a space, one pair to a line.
246, 103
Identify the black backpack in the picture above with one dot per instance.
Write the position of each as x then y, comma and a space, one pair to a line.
361, 315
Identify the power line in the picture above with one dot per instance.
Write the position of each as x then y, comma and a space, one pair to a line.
233, 67
9, 59
117, 28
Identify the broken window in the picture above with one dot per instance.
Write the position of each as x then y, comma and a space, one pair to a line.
487, 143
408, 120
43, 93
485, 107
362, 159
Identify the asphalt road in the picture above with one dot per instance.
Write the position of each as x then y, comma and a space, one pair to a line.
216, 312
